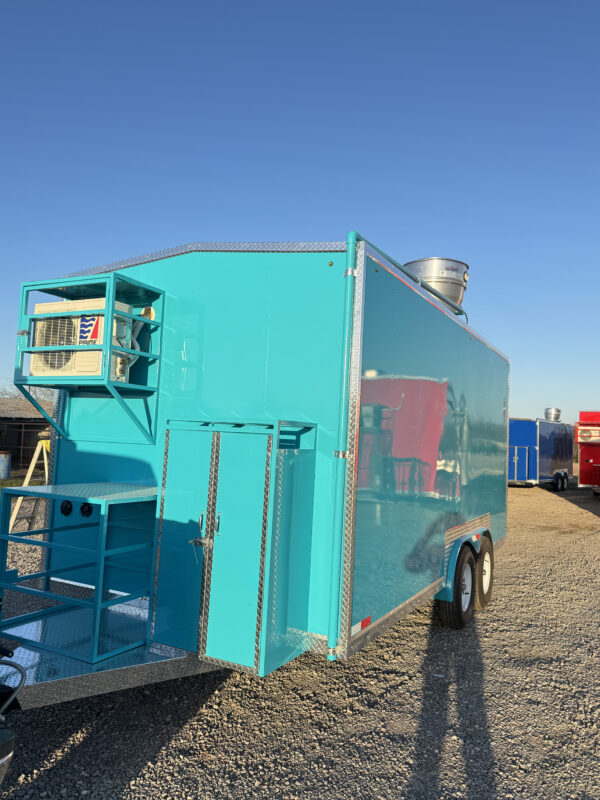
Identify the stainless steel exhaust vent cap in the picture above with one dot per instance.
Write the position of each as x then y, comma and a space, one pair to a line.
447, 275
552, 414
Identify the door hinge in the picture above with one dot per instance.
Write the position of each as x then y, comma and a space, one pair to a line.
350, 272
340, 454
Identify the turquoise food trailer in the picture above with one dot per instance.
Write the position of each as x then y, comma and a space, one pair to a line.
259, 450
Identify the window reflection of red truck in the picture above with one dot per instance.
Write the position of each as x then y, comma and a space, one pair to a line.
587, 436
408, 438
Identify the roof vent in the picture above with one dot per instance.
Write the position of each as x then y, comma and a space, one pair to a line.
446, 275
552, 414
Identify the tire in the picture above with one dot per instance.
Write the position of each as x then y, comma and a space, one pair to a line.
557, 483
596, 493
459, 612
484, 574
565, 483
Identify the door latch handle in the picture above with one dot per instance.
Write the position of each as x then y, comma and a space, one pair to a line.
218, 528
199, 540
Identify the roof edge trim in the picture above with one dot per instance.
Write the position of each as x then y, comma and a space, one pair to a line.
216, 247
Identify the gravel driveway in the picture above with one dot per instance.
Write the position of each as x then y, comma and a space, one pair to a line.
508, 708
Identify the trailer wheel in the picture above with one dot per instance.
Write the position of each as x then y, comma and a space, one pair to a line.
565, 483
557, 483
596, 492
459, 612
484, 574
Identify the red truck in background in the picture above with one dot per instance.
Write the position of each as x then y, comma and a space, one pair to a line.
587, 437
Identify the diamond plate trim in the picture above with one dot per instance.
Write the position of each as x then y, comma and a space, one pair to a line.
211, 512
315, 642
263, 551
464, 529
159, 533
276, 533
216, 247
217, 662
352, 454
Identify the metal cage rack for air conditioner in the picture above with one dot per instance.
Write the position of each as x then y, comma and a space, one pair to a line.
116, 290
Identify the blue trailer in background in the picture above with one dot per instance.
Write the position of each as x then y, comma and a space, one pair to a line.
540, 451
205, 508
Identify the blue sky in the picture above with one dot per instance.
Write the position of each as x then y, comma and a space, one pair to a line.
462, 129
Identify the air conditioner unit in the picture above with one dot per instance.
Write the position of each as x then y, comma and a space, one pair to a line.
83, 329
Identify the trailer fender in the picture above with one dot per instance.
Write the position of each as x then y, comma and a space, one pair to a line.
472, 540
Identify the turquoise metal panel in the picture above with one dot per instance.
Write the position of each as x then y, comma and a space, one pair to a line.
235, 573
432, 441
247, 337
180, 561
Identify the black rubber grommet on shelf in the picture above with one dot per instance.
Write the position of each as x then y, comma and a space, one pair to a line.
66, 507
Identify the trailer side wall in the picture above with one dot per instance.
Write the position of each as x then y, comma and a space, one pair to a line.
432, 442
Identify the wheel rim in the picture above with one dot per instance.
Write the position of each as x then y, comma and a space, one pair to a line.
466, 588
486, 573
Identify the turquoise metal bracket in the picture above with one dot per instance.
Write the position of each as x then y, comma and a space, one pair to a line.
474, 540
115, 288
147, 432
42, 410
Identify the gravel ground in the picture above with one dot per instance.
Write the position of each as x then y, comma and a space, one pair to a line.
507, 708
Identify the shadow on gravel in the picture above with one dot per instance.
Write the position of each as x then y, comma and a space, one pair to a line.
97, 747
453, 668
582, 498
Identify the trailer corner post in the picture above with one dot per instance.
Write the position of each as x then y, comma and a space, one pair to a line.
341, 462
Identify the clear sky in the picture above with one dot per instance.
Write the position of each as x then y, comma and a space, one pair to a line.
461, 129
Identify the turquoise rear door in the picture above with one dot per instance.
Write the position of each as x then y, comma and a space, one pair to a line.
180, 560
214, 532
231, 606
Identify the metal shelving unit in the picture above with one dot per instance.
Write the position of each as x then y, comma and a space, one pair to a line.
100, 596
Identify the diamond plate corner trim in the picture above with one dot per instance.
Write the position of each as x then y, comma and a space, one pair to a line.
219, 663
459, 531
263, 551
280, 466
211, 513
159, 532
216, 247
352, 454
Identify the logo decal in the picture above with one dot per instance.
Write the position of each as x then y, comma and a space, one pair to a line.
89, 328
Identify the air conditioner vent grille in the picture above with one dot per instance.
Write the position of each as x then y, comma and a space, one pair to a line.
56, 332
